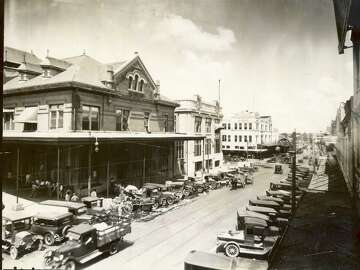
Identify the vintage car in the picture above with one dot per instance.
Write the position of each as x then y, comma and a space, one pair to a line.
278, 169
188, 186
177, 188
52, 226
159, 193
251, 241
199, 184
283, 186
244, 218
283, 194
198, 260
137, 202
277, 200
213, 181
16, 238
236, 180
87, 242
271, 212
271, 204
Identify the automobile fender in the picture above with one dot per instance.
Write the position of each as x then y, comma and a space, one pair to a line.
231, 242
69, 258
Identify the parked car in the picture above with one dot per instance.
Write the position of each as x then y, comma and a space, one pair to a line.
280, 201
271, 212
199, 260
137, 202
244, 219
16, 236
159, 193
188, 186
273, 205
177, 188
53, 226
251, 241
87, 242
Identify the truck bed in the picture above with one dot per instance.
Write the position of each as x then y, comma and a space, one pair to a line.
109, 233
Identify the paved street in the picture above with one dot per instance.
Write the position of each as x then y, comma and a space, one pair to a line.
164, 242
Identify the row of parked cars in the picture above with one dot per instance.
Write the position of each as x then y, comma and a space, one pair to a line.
260, 225
85, 231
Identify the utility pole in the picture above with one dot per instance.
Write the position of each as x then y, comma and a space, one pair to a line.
293, 182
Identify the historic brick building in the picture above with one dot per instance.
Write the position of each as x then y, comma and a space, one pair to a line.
80, 122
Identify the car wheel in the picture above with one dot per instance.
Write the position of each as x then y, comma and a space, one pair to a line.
155, 206
114, 248
170, 201
232, 250
49, 239
70, 265
200, 190
163, 203
14, 252
65, 230
186, 193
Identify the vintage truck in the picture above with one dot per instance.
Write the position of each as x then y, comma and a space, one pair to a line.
271, 204
251, 241
86, 242
244, 218
271, 213
16, 238
280, 201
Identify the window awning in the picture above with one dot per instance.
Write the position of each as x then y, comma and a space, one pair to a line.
29, 115
8, 110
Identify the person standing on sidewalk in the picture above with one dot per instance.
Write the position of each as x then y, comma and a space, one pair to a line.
93, 193
68, 195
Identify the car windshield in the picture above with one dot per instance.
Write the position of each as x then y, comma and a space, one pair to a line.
73, 236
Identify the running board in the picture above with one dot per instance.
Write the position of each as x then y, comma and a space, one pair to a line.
90, 256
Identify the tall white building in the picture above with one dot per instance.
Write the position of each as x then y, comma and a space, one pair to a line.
246, 132
195, 116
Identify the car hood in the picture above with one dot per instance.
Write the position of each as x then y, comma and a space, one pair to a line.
67, 246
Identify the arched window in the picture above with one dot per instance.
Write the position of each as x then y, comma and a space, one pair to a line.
141, 85
136, 82
130, 82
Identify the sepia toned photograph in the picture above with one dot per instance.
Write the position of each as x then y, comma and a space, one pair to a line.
180, 134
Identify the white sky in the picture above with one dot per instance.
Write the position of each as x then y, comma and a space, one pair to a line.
277, 57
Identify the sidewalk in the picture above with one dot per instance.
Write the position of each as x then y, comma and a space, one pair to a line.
323, 233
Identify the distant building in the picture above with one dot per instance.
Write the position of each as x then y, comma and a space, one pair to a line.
246, 133
197, 117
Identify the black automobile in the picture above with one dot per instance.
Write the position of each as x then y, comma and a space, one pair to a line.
278, 169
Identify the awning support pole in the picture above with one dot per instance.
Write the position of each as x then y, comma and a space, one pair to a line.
89, 168
107, 173
58, 173
17, 173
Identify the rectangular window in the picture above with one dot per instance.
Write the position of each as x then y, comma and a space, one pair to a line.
257, 126
90, 117
235, 138
179, 148
122, 118
235, 126
224, 125
240, 138
229, 126
146, 120
250, 138
245, 138
245, 125
240, 125
198, 124
56, 116
217, 163
197, 150
228, 147
208, 125
208, 163
217, 143
8, 119
224, 138
208, 147
198, 166
236, 147
166, 123
229, 138
250, 125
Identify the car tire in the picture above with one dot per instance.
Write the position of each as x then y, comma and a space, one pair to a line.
70, 265
164, 203
49, 239
14, 252
114, 248
170, 201
200, 190
232, 250
186, 193
65, 230
155, 206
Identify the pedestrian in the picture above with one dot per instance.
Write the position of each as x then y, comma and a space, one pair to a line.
75, 198
93, 193
28, 179
68, 195
34, 188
